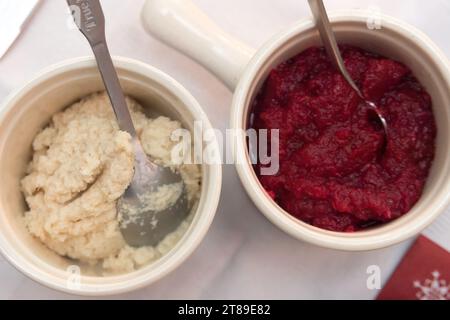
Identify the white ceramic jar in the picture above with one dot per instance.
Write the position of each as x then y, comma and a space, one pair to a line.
29, 109
180, 24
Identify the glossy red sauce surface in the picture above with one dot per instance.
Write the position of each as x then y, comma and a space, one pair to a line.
332, 174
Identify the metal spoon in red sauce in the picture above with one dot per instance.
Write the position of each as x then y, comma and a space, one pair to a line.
330, 44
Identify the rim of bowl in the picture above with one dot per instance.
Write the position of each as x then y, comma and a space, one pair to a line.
187, 244
296, 228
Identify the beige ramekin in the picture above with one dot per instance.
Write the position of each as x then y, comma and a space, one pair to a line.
183, 26
29, 109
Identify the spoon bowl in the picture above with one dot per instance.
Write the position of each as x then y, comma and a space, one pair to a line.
142, 223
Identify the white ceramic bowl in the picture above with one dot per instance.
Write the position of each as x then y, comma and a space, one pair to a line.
29, 109
180, 24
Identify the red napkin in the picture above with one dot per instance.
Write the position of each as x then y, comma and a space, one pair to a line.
423, 274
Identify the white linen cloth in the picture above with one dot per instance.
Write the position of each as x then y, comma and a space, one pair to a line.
243, 254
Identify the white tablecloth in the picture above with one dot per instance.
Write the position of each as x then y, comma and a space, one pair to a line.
243, 255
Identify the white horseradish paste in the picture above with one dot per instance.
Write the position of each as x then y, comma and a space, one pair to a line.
81, 165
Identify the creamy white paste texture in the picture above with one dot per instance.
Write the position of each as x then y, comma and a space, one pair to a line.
81, 165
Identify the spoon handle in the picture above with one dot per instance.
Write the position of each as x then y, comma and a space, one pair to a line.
329, 40
112, 84
89, 18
